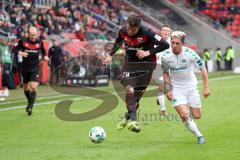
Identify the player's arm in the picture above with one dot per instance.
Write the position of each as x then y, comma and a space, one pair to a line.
204, 73
159, 42
117, 44
198, 62
156, 40
43, 51
18, 49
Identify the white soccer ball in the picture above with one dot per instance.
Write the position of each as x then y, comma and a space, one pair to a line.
97, 134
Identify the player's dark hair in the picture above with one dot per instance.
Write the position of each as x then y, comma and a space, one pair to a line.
134, 20
165, 25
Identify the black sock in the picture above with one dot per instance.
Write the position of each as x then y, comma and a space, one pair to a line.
32, 98
126, 115
132, 115
27, 94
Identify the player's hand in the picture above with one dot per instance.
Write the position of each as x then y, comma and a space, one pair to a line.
46, 58
169, 95
107, 59
24, 54
206, 92
141, 54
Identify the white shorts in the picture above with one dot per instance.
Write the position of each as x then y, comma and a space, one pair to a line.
188, 97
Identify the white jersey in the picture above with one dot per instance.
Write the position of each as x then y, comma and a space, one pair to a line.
159, 55
181, 67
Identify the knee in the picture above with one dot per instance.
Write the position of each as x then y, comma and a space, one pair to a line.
33, 87
197, 116
129, 90
184, 116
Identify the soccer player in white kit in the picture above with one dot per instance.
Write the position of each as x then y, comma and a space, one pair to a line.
178, 66
165, 32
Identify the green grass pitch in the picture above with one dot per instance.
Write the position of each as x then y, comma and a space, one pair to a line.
45, 137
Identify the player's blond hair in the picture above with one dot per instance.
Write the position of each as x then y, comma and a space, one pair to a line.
179, 34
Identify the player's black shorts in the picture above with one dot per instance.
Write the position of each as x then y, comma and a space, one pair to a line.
30, 76
138, 80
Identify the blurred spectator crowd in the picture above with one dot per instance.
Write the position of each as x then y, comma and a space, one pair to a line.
89, 19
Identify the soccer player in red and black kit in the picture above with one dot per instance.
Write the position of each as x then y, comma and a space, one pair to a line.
139, 64
30, 49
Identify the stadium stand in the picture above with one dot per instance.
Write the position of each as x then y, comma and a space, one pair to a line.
87, 19
223, 13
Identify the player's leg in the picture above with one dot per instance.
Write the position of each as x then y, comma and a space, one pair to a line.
128, 82
130, 118
195, 111
33, 86
189, 122
158, 78
161, 100
180, 101
143, 80
27, 92
26, 88
132, 105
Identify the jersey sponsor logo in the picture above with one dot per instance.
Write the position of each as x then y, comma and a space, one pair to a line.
134, 48
178, 68
30, 51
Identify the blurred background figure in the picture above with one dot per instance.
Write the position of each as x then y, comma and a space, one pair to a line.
206, 57
218, 58
229, 56
56, 58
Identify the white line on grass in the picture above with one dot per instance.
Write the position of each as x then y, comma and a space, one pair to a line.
50, 102
24, 100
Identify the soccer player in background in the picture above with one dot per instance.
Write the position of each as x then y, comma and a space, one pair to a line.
31, 50
165, 33
140, 52
178, 66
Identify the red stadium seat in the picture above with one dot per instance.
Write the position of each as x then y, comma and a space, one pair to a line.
215, 6
237, 16
235, 27
237, 22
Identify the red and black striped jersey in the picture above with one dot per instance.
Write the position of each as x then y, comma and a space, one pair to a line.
34, 50
145, 39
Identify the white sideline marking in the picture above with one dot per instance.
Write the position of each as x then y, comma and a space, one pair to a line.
57, 101
51, 102
24, 100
